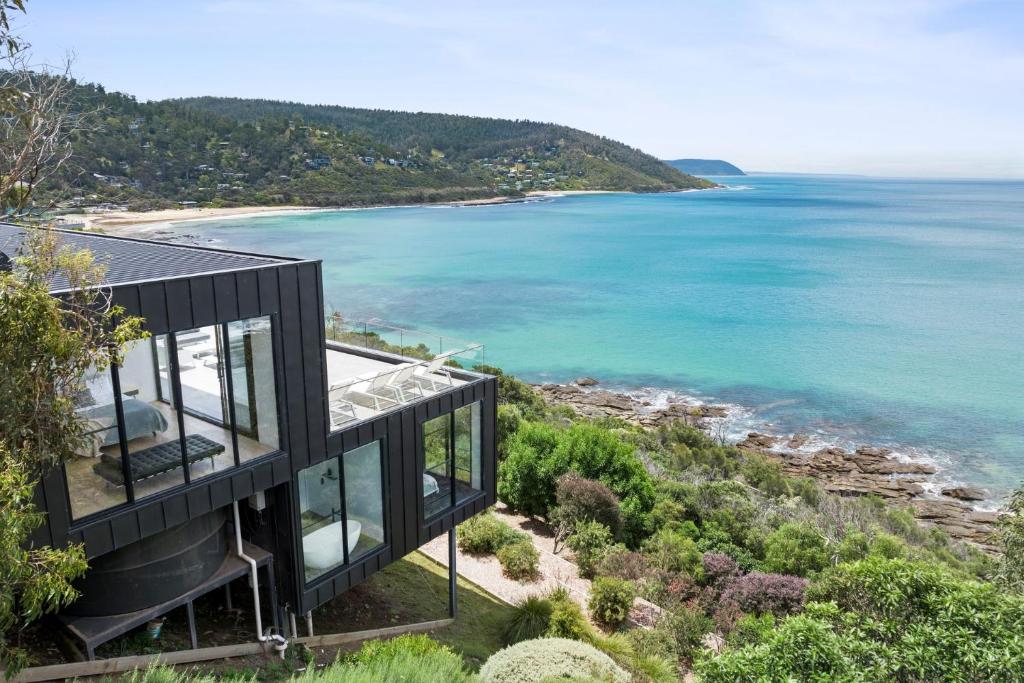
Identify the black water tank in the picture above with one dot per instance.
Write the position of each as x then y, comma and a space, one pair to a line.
153, 570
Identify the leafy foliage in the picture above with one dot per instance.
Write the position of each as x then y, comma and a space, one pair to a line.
486, 534
519, 560
611, 600
757, 593
589, 543
796, 549
1011, 538
46, 347
880, 619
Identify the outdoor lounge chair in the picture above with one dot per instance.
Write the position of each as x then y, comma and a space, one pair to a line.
342, 412
158, 459
426, 374
397, 383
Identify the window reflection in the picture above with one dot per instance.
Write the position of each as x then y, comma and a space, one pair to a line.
88, 491
451, 459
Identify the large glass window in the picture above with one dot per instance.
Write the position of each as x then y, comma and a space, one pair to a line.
88, 491
451, 459
341, 509
180, 397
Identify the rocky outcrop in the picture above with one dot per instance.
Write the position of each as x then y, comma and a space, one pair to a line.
965, 493
873, 470
586, 382
600, 403
866, 470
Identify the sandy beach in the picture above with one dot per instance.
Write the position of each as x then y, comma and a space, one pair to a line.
141, 223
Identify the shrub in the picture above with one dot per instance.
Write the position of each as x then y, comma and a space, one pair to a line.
585, 500
530, 619
538, 454
509, 419
672, 551
757, 593
687, 626
622, 564
802, 649
751, 629
855, 546
589, 543
414, 644
797, 549
611, 600
765, 475
532, 661
526, 477
719, 570
486, 534
567, 620
519, 560
713, 539
880, 619
888, 546
1010, 572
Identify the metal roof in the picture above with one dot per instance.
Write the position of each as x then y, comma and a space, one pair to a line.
130, 260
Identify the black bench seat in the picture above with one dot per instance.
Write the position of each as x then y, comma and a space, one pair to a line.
158, 459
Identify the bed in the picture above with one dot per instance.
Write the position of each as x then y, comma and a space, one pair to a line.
140, 419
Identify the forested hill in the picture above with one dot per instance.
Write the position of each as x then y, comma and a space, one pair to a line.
217, 151
468, 139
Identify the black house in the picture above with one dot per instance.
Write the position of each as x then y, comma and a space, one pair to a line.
238, 437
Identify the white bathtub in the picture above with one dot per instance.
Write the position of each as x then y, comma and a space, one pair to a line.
322, 548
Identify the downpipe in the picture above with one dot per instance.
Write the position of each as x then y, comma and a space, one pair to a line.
280, 643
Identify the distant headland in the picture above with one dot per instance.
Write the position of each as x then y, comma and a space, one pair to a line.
703, 167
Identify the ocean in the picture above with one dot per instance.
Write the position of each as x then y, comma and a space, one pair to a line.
856, 310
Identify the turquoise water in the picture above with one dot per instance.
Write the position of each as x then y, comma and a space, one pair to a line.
858, 310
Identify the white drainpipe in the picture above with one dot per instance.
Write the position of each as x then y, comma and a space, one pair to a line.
280, 642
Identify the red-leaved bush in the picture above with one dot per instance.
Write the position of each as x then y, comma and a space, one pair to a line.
585, 500
757, 593
719, 570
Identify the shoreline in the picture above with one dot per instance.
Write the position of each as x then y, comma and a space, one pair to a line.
141, 223
954, 508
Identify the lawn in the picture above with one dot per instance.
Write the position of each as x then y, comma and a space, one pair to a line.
411, 590
415, 589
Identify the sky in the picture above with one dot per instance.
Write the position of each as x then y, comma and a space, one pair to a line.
892, 88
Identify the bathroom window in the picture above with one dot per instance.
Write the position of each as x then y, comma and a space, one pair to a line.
451, 459
341, 509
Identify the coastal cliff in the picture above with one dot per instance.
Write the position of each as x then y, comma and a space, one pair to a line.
866, 470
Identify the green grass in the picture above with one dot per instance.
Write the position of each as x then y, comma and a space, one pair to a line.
415, 589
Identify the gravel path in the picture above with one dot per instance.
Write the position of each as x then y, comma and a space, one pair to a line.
555, 570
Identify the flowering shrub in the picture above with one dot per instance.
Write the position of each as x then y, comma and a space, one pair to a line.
757, 593
533, 661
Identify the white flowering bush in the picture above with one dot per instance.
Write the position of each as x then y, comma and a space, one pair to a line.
533, 661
